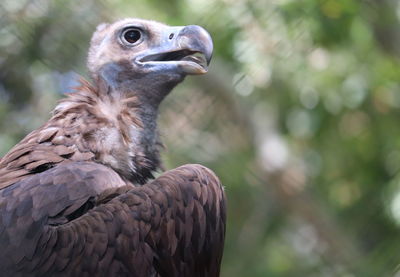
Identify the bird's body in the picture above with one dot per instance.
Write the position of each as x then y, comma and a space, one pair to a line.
75, 195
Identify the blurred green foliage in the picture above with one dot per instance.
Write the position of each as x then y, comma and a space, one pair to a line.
298, 116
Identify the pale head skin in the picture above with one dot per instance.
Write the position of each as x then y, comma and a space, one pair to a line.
145, 64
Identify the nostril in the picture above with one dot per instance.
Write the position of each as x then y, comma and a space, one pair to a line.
171, 36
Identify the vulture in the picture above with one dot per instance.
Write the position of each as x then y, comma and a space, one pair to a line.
78, 196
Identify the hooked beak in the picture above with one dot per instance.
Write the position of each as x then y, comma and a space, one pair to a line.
188, 49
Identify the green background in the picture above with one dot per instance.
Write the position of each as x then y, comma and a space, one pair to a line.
298, 116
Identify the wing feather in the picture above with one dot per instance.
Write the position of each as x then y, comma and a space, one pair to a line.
81, 217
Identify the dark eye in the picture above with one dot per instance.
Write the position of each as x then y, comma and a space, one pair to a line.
131, 36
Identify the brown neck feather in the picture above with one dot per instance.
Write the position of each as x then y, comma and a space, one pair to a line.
93, 123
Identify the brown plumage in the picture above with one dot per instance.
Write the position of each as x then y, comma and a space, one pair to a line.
75, 195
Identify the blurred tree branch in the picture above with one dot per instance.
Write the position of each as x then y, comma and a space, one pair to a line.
382, 15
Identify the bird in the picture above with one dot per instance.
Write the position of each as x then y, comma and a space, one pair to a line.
78, 196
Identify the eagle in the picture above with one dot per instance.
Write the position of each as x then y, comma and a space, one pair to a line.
78, 196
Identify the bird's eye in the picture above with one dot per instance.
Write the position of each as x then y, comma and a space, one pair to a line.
131, 36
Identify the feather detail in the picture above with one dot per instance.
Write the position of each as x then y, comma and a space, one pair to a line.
91, 123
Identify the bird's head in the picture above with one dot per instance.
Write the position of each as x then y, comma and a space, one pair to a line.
147, 56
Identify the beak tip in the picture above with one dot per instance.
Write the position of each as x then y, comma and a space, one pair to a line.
209, 59
208, 45
201, 38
